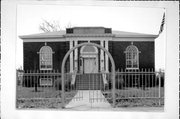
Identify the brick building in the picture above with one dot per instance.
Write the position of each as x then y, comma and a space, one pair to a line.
130, 51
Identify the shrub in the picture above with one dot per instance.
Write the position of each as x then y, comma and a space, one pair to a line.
119, 83
58, 84
162, 80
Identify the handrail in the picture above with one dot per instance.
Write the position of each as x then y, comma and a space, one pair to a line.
104, 78
74, 77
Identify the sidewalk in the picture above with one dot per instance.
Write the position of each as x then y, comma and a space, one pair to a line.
86, 104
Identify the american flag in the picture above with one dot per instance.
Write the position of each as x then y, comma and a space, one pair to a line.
162, 24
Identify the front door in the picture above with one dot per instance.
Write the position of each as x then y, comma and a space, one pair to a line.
90, 65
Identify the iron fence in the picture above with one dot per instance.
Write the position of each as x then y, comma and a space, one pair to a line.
41, 88
133, 87
136, 87
37, 84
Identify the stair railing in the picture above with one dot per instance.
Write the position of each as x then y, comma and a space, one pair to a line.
73, 77
104, 78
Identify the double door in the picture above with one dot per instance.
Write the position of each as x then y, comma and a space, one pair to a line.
90, 65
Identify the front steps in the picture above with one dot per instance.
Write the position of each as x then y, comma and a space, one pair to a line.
89, 82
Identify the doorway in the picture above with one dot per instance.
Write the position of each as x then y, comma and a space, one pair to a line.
89, 56
90, 65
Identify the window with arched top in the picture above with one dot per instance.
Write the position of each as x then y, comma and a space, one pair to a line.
45, 58
132, 57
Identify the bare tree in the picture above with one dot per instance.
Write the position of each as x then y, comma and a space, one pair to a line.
48, 26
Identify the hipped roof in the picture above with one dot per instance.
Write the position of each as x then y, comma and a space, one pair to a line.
62, 33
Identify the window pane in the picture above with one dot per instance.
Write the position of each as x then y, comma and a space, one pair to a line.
132, 57
45, 57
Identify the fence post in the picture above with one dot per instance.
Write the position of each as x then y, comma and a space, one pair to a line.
113, 88
62, 89
159, 78
35, 79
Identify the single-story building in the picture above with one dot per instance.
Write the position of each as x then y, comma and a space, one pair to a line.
130, 51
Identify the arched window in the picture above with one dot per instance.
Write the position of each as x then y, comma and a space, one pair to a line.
132, 57
45, 58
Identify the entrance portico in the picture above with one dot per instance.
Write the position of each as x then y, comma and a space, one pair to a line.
89, 59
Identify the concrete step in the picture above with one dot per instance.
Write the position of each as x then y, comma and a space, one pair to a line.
89, 81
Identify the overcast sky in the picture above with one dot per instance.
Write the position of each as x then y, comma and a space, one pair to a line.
141, 20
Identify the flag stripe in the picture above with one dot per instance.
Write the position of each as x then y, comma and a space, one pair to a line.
162, 24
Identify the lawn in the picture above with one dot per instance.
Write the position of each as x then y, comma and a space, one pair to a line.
49, 97
131, 97
45, 97
42, 92
38, 103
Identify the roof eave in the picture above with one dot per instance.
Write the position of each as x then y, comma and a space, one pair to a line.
136, 36
41, 37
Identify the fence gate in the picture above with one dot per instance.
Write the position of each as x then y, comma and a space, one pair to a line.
90, 90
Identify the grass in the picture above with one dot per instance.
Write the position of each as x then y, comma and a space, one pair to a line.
131, 97
49, 97
38, 103
45, 97
138, 92
42, 92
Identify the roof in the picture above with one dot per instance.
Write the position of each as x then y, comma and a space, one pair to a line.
132, 34
62, 33
45, 35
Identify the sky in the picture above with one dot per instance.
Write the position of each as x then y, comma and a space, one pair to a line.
131, 19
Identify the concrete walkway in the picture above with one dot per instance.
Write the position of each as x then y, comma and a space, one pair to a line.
91, 99
82, 102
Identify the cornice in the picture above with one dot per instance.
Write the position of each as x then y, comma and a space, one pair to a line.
89, 35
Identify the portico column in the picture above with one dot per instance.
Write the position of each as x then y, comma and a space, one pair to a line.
106, 56
75, 56
71, 56
102, 57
